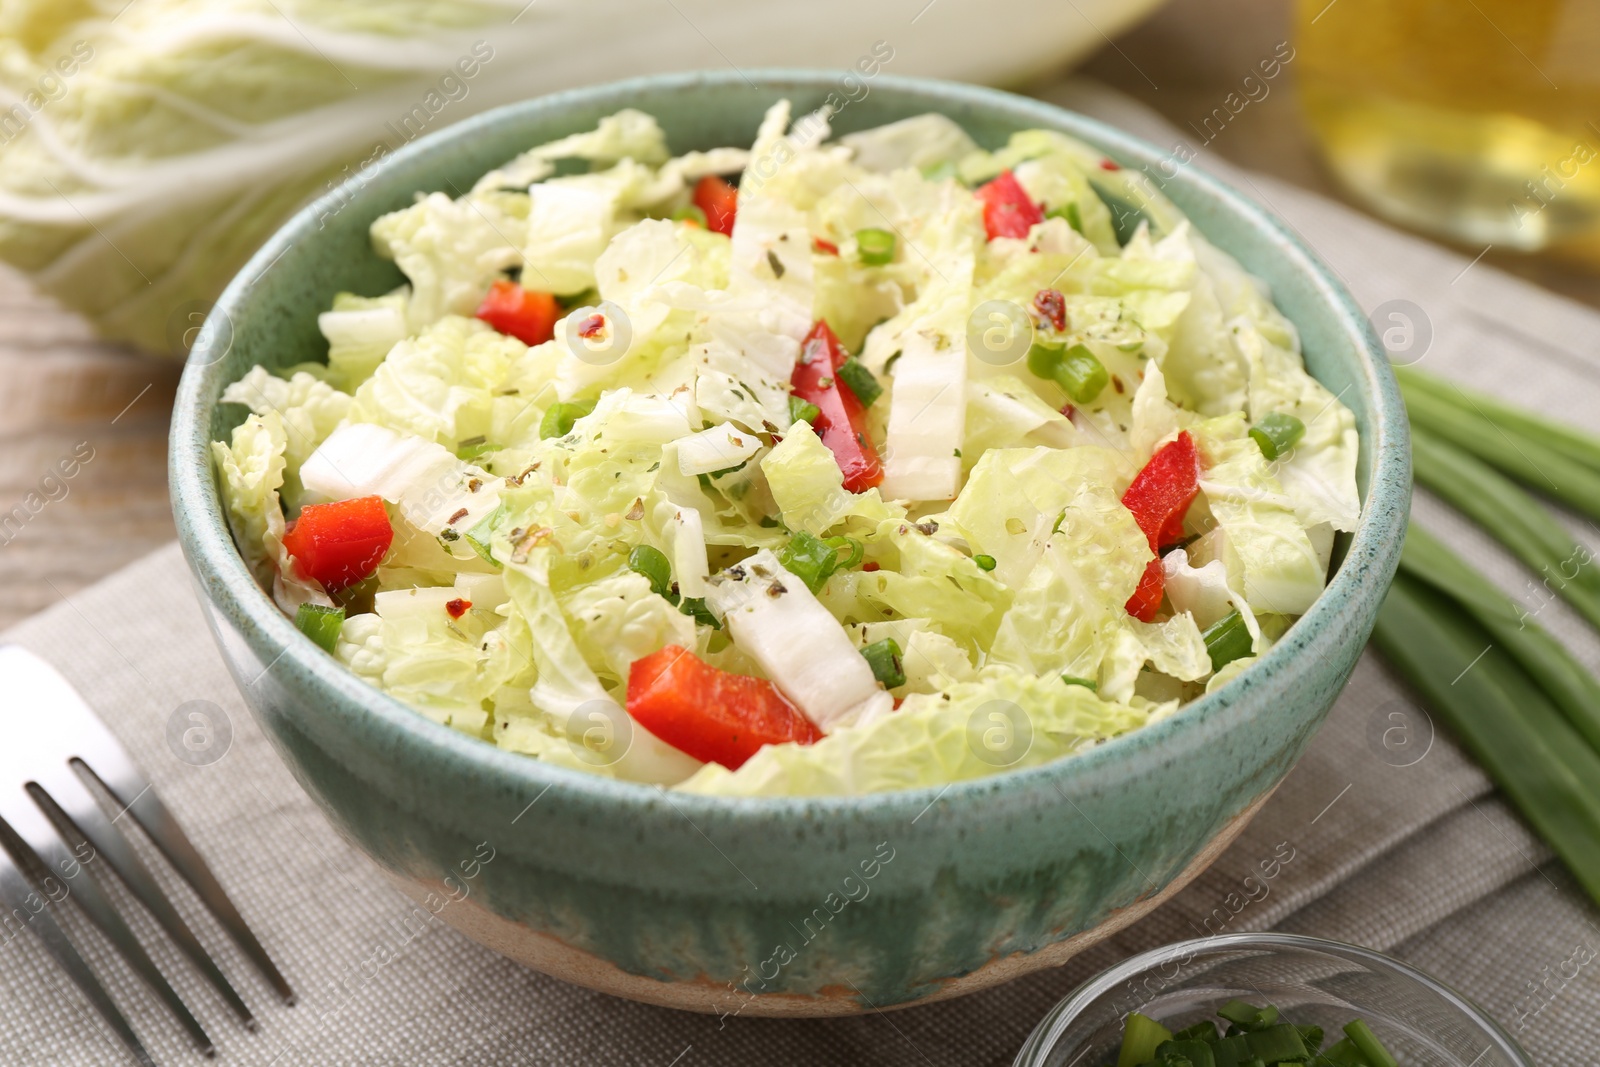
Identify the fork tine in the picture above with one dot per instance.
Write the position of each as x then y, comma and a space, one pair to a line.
14, 893
73, 734
35, 831
64, 797
116, 772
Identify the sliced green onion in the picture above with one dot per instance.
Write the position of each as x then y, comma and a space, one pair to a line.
802, 410
652, 563
1141, 1035
1277, 1044
1255, 1038
861, 381
1516, 520
1088, 683
875, 247
858, 551
1228, 639
689, 213
1204, 1030
1043, 357
320, 624
810, 559
1565, 680
1530, 458
559, 420
1079, 373
985, 563
1232, 1051
1364, 1039
1276, 433
1187, 1053
884, 659
1503, 718
1343, 1053
1242, 1013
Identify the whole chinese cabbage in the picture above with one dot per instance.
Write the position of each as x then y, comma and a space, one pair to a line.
148, 147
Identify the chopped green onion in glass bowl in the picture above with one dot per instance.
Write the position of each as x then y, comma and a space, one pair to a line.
1312, 983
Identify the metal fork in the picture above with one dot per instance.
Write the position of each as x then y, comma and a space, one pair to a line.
48, 738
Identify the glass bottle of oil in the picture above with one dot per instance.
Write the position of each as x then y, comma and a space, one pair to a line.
1476, 120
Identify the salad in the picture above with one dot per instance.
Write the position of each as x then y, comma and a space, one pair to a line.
826, 466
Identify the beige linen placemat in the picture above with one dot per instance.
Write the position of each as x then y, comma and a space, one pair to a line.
1406, 848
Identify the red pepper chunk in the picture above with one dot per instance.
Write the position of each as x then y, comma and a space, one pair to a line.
1007, 210
1146, 600
720, 202
339, 544
1159, 498
526, 314
842, 422
710, 714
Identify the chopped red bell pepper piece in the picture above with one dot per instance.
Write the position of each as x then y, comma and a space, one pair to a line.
842, 422
1159, 498
1146, 600
1161, 493
720, 202
824, 247
339, 544
712, 715
1007, 210
526, 314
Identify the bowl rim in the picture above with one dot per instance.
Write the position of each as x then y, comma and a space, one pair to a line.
226, 582
1041, 1040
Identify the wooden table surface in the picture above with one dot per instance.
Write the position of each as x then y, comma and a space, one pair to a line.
61, 390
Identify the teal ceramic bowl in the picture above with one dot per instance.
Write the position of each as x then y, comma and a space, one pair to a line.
772, 906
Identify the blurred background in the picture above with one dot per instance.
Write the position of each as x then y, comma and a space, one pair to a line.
147, 147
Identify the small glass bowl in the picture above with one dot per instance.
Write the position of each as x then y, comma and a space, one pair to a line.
1310, 981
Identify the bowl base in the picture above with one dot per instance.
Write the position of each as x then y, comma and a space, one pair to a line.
552, 956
